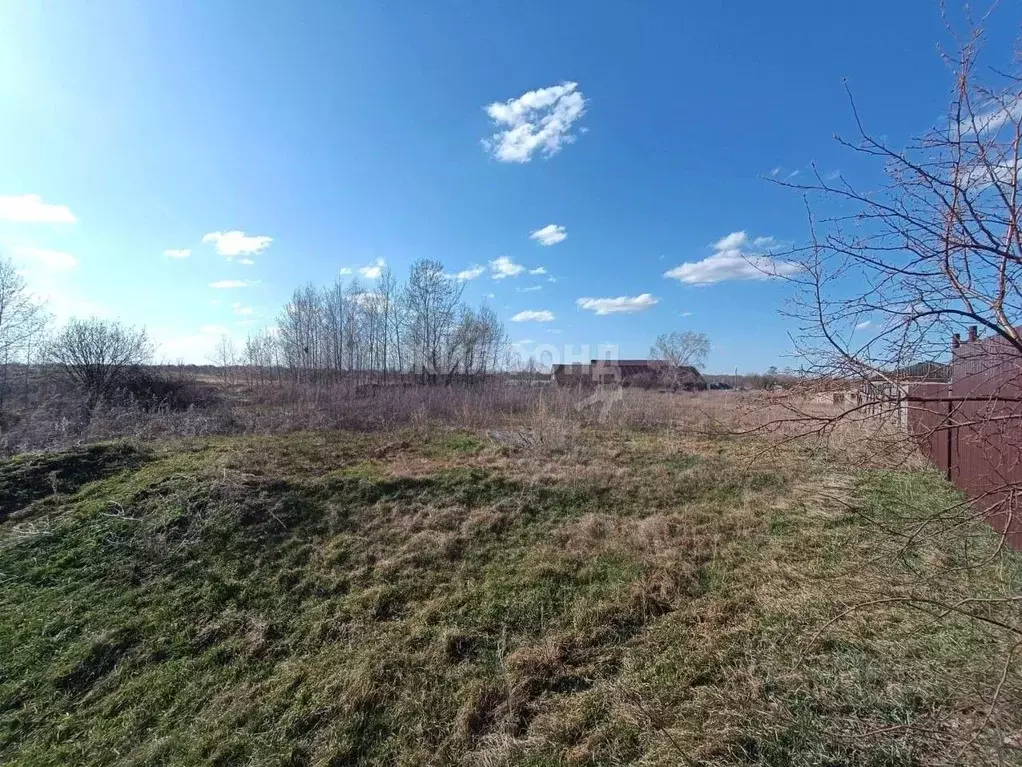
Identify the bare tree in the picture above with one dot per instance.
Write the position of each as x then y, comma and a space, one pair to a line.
22, 321
893, 277
225, 356
97, 355
679, 351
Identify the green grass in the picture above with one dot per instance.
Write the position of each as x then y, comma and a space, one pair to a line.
437, 599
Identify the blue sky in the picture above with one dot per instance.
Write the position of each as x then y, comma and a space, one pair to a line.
335, 135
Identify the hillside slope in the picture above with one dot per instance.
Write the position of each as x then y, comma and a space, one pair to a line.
444, 599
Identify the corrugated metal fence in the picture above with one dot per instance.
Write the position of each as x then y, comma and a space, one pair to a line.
972, 429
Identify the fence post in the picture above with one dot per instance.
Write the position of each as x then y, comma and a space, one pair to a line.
949, 453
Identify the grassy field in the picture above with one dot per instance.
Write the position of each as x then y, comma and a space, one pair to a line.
406, 598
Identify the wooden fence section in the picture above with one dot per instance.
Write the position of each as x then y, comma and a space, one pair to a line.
972, 429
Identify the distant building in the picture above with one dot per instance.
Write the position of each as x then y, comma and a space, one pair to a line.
646, 374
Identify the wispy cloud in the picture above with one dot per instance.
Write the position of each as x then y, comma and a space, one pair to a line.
235, 243
470, 274
173, 253
995, 116
51, 259
619, 305
551, 234
227, 284
735, 257
240, 308
30, 209
775, 171
538, 315
345, 270
532, 289
538, 270
215, 330
863, 325
374, 270
503, 267
537, 122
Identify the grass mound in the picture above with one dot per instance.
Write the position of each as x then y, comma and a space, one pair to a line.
31, 477
442, 599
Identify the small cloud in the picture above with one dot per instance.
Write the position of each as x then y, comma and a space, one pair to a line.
345, 270
51, 259
471, 273
551, 279
488, 295
775, 171
182, 253
551, 234
537, 122
542, 315
834, 175
227, 284
374, 270
246, 261
215, 302
241, 309
734, 258
555, 331
863, 325
215, 330
532, 289
538, 270
792, 174
30, 209
619, 305
236, 243
684, 314
504, 267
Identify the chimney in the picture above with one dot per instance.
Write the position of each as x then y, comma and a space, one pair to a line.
972, 332
956, 341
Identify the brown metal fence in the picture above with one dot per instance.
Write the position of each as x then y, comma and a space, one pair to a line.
972, 429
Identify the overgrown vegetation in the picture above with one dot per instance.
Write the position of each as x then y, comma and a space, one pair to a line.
619, 597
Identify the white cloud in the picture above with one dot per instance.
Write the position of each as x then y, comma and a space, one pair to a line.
235, 243
246, 261
374, 270
368, 299
538, 121
619, 305
733, 240
240, 308
173, 253
471, 273
864, 324
30, 209
538, 270
734, 258
775, 171
684, 314
542, 315
504, 267
215, 302
344, 270
225, 284
551, 279
533, 289
488, 295
551, 234
51, 259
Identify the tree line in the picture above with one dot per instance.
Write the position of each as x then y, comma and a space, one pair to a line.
420, 330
